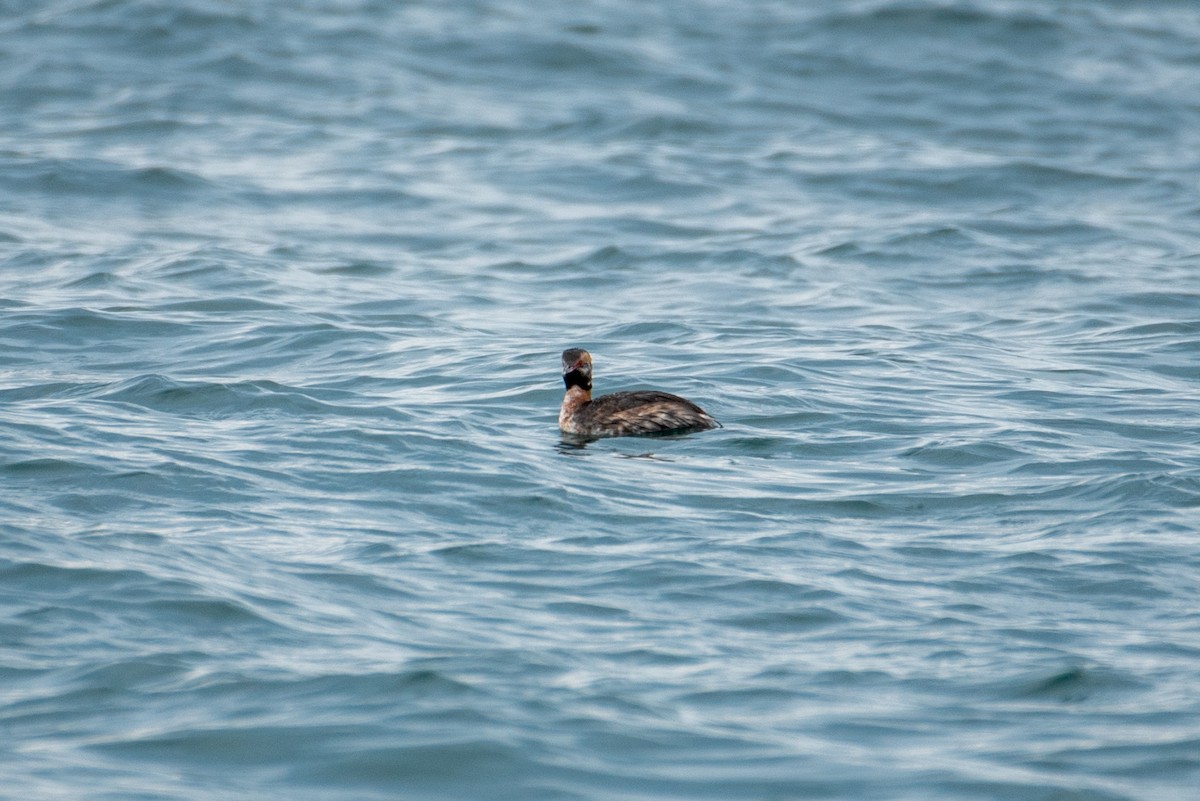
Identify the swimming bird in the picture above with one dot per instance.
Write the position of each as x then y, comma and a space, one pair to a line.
622, 414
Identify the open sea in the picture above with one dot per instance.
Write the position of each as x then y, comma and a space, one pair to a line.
285, 514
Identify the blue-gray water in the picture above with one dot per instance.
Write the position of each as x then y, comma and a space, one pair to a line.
284, 513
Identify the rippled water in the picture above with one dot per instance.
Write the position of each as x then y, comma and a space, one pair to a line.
285, 513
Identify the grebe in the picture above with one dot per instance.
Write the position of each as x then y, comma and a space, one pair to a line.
622, 414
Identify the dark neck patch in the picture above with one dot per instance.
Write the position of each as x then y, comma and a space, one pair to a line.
578, 378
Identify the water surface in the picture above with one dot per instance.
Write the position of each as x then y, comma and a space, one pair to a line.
285, 513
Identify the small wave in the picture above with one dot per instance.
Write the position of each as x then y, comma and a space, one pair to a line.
1019, 29
47, 468
1069, 685
212, 399
785, 621
100, 179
